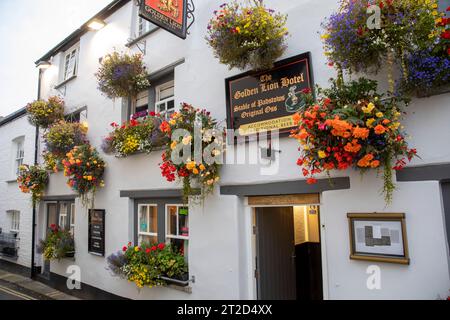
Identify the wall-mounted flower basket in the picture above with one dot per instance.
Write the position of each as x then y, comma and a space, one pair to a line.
351, 126
149, 265
58, 244
181, 281
244, 36
141, 135
33, 179
122, 75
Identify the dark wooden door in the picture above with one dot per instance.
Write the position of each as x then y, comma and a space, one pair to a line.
276, 278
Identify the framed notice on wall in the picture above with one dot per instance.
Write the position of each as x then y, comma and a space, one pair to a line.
378, 237
167, 14
96, 244
266, 101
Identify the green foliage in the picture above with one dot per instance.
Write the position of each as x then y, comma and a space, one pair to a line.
33, 179
57, 245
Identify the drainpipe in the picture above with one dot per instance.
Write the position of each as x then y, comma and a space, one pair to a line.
33, 228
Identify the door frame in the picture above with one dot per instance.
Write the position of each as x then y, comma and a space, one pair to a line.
253, 289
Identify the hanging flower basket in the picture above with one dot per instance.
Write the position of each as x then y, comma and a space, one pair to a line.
354, 42
84, 168
33, 179
352, 127
58, 244
244, 36
148, 264
138, 135
43, 113
60, 138
122, 75
180, 132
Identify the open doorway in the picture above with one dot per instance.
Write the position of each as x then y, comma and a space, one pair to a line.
288, 253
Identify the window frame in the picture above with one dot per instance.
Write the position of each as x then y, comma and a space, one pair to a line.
71, 205
158, 101
167, 233
19, 147
15, 221
148, 234
72, 53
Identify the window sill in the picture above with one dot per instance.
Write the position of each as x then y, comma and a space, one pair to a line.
187, 289
11, 181
140, 38
65, 82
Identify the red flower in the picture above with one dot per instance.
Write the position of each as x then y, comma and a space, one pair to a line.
306, 91
446, 34
448, 51
154, 248
152, 113
147, 251
124, 249
165, 127
115, 125
311, 181
161, 246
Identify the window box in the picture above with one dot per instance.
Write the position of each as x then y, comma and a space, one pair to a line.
69, 254
434, 91
182, 281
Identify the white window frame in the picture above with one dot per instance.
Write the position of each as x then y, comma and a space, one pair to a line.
159, 102
167, 233
71, 54
148, 234
18, 154
135, 103
72, 219
15, 221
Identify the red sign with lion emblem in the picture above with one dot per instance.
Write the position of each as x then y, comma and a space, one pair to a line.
170, 15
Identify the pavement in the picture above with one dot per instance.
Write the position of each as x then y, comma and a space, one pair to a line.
17, 287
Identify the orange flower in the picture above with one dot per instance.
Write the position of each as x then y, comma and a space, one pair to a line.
379, 129
375, 164
361, 133
386, 121
353, 147
341, 128
365, 161
165, 127
296, 118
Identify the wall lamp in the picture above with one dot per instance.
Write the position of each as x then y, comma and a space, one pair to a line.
96, 24
42, 65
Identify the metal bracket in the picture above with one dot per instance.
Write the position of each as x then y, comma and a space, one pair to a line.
142, 46
190, 9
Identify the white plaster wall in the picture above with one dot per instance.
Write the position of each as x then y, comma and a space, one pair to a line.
220, 236
11, 198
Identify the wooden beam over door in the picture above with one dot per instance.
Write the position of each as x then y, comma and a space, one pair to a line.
289, 200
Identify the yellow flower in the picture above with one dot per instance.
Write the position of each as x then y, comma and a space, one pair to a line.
187, 140
369, 108
434, 5
379, 114
202, 167
369, 123
173, 145
238, 29
434, 13
322, 154
172, 122
136, 249
195, 171
325, 36
190, 165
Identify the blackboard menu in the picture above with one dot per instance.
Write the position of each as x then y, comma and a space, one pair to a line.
264, 101
97, 232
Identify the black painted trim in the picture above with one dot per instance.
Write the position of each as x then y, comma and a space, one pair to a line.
86, 292
59, 198
142, 37
285, 188
152, 194
14, 268
13, 116
434, 172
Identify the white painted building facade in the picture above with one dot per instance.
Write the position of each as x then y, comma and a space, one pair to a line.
221, 242
17, 138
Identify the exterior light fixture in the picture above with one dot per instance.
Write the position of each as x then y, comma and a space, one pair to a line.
96, 24
42, 65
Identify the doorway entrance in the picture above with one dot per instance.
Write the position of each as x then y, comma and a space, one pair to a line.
288, 253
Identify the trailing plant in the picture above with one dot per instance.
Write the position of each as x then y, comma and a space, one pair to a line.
354, 42
146, 264
84, 168
33, 179
43, 113
184, 129
122, 75
352, 127
57, 245
247, 35
141, 134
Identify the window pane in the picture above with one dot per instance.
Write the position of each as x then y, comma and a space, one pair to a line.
180, 246
143, 222
171, 105
172, 221
52, 215
147, 239
153, 219
183, 220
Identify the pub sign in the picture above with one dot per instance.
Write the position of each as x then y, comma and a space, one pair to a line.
96, 239
170, 15
266, 101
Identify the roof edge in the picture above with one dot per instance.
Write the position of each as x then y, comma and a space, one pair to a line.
13, 116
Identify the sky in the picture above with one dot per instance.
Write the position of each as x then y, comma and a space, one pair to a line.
28, 30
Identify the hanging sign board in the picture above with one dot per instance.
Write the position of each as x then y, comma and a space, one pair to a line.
170, 15
96, 239
265, 101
